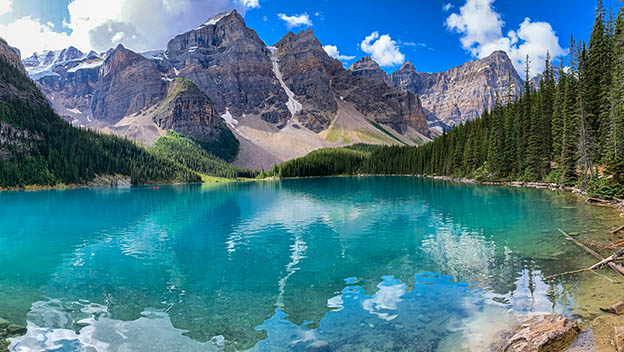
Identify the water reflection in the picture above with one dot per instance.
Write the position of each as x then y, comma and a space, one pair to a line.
264, 265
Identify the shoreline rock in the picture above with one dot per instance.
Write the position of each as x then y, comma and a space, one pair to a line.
8, 330
542, 333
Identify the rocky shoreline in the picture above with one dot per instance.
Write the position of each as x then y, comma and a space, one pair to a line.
619, 204
8, 330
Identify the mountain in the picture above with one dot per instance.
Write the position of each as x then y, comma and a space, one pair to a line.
271, 103
37, 147
464, 92
368, 68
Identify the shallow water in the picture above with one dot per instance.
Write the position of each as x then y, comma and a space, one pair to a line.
341, 264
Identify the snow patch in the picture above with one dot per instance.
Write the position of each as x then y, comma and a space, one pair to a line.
75, 111
231, 121
192, 49
293, 105
213, 21
153, 54
177, 72
86, 65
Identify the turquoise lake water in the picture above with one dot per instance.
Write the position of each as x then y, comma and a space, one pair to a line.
327, 264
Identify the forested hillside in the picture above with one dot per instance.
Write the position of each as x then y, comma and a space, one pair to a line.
37, 147
570, 131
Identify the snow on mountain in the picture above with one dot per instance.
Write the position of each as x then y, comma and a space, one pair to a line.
43, 64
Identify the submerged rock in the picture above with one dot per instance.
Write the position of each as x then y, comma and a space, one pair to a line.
544, 333
617, 308
9, 330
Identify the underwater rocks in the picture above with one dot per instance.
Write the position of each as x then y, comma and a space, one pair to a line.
9, 330
617, 308
543, 333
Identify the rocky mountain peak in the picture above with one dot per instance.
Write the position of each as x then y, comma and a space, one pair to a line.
461, 93
367, 67
305, 39
9, 55
407, 66
128, 83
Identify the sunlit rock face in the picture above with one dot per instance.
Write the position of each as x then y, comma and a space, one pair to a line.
128, 83
231, 64
464, 92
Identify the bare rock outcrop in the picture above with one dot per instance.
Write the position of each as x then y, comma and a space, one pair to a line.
543, 333
231, 64
464, 92
128, 83
188, 111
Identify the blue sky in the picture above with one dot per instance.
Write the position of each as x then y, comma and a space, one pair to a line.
433, 35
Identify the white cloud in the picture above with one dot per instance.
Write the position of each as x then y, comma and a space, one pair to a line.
332, 51
41, 36
100, 25
447, 6
6, 6
481, 29
382, 49
295, 20
252, 4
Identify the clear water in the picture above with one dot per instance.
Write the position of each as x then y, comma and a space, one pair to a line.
341, 264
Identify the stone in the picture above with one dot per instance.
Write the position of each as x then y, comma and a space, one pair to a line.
4, 324
617, 308
544, 333
15, 330
618, 338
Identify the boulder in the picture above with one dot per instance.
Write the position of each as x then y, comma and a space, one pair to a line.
617, 308
544, 333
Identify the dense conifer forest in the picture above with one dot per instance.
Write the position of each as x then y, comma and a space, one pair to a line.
569, 130
184, 151
40, 148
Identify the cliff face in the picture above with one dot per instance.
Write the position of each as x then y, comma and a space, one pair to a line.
464, 92
11, 56
188, 111
128, 83
318, 80
229, 63
367, 67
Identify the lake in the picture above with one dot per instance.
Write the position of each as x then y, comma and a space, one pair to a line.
320, 264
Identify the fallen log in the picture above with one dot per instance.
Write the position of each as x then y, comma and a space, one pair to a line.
617, 230
597, 200
609, 261
616, 244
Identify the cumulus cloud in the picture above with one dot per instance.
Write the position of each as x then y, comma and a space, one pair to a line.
382, 49
295, 20
6, 6
447, 6
41, 36
99, 25
481, 29
332, 51
252, 4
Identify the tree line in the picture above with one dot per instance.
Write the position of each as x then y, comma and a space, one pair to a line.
49, 150
569, 130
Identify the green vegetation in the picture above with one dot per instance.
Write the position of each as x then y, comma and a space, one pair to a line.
225, 146
46, 150
570, 131
190, 154
324, 162
379, 127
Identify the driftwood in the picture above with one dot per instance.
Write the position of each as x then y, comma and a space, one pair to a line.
603, 261
617, 230
616, 244
597, 200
